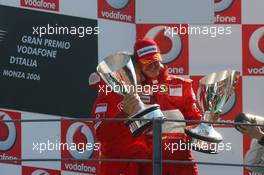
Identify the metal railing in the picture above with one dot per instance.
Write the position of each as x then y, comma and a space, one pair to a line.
157, 160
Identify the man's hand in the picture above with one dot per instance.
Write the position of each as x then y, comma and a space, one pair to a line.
213, 117
252, 131
132, 104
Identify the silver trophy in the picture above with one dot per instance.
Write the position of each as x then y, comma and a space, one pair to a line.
118, 72
214, 91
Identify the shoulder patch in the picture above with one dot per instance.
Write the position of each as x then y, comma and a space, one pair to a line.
175, 90
101, 108
94, 78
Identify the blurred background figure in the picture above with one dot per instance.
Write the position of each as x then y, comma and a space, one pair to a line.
255, 155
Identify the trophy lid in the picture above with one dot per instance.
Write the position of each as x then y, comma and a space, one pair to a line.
217, 77
114, 62
215, 89
117, 70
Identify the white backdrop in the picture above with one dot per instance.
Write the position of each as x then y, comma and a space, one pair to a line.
200, 55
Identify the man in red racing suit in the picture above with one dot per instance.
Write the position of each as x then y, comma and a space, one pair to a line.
115, 137
175, 94
176, 99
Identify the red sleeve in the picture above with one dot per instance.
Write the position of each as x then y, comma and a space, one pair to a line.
191, 107
106, 107
105, 132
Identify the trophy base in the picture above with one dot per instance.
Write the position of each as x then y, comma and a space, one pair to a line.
138, 127
204, 132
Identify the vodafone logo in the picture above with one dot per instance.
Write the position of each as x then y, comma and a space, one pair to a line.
52, 5
117, 4
40, 172
79, 132
119, 10
229, 104
222, 5
256, 44
8, 132
170, 46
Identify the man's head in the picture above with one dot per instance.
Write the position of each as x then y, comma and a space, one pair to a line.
148, 57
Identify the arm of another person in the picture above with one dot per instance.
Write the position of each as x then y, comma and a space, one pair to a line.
255, 156
107, 107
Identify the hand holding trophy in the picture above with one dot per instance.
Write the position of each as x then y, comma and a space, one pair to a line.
214, 91
249, 118
118, 72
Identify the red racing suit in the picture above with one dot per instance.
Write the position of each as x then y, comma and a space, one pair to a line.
174, 93
115, 137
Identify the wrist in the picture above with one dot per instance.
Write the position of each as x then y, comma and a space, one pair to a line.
261, 140
260, 135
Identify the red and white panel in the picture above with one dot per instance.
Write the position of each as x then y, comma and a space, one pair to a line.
49, 5
118, 10
210, 54
252, 12
231, 152
13, 3
180, 11
72, 173
79, 8
80, 134
253, 95
115, 37
39, 141
10, 136
10, 169
39, 171
227, 11
121, 22
253, 50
